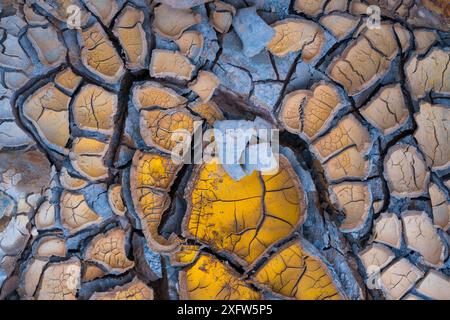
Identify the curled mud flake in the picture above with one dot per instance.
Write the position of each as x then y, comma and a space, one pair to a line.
170, 64
105, 10
309, 7
404, 37
76, 215
51, 246
348, 164
310, 112
12, 55
115, 200
151, 170
151, 177
375, 257
366, 60
387, 229
190, 44
128, 29
152, 94
222, 15
184, 255
399, 278
253, 31
32, 17
183, 4
94, 109
68, 80
264, 210
48, 110
435, 285
157, 128
341, 25
211, 279
135, 290
348, 132
208, 111
30, 278
45, 41
14, 237
428, 74
432, 134
292, 35
170, 22
60, 281
205, 85
296, 273
291, 110
99, 55
87, 157
91, 271
422, 237
405, 171
70, 182
23, 173
441, 207
387, 111
424, 39
354, 200
11, 136
108, 250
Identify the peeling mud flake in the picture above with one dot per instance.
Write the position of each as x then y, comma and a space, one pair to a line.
387, 229
366, 60
60, 281
211, 279
151, 178
432, 134
387, 111
440, 206
135, 290
171, 22
340, 25
94, 109
354, 199
375, 257
87, 157
348, 132
48, 110
399, 278
421, 236
152, 94
170, 64
294, 272
309, 113
108, 250
205, 85
130, 32
405, 171
292, 35
45, 41
428, 74
76, 214
99, 55
435, 285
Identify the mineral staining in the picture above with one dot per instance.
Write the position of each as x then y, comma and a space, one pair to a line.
93, 206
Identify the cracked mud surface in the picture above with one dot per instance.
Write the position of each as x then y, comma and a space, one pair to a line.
93, 207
